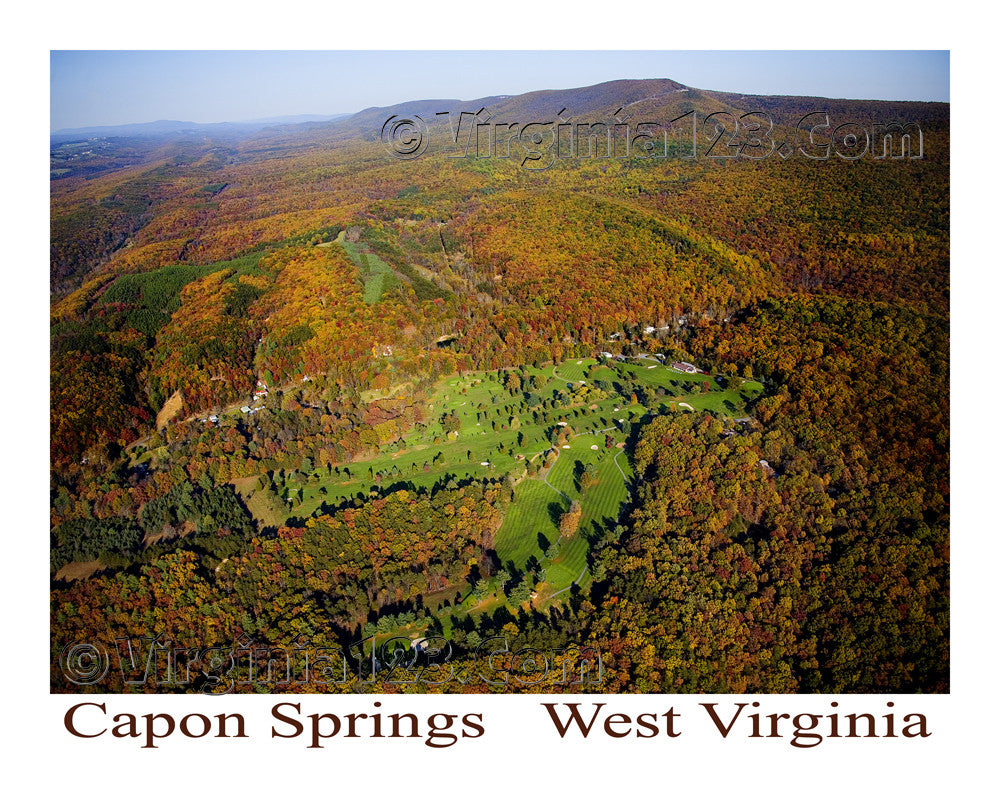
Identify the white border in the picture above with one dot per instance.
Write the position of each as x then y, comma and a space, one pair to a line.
520, 754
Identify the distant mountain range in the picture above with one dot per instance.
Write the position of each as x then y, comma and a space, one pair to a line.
166, 127
654, 99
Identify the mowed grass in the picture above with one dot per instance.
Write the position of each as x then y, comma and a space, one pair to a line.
604, 373
378, 276
264, 507
601, 503
529, 516
425, 458
575, 369
533, 518
488, 432
731, 400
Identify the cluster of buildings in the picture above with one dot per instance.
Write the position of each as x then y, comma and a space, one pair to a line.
680, 366
258, 397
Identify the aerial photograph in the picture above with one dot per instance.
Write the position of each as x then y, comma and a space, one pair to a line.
499, 372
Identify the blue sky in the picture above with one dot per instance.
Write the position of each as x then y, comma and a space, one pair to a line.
115, 87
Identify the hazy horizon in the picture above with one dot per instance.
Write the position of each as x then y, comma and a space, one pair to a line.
111, 88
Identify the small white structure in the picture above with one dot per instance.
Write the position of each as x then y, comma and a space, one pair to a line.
245, 409
593, 447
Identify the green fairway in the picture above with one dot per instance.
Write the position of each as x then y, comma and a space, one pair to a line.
487, 425
601, 503
529, 516
573, 370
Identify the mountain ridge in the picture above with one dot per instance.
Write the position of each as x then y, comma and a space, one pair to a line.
634, 95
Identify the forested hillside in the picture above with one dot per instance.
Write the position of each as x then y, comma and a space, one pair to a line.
691, 412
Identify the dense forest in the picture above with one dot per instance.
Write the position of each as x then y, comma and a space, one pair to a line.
302, 389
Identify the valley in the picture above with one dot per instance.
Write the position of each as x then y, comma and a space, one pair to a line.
693, 414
